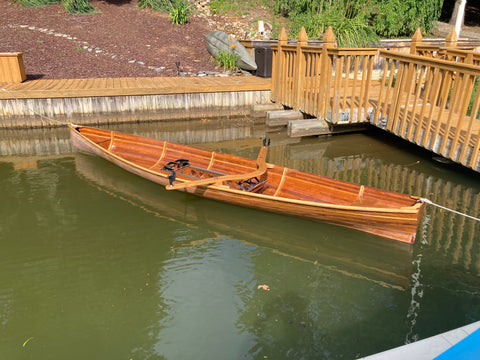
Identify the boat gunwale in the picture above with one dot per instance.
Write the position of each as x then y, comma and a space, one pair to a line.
413, 209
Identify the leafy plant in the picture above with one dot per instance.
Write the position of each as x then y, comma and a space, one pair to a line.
356, 21
228, 59
78, 6
180, 12
396, 18
348, 19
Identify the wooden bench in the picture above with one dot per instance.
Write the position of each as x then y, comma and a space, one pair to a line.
12, 69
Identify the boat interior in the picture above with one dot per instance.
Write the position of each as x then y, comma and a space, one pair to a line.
180, 162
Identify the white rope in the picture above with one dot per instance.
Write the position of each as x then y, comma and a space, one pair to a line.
426, 201
36, 113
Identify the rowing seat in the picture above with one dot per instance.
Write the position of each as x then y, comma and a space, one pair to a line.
251, 185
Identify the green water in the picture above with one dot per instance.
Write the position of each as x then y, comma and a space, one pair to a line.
96, 263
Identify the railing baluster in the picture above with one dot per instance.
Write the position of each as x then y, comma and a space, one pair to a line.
469, 130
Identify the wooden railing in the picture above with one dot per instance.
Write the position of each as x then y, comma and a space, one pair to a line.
324, 81
451, 51
427, 96
425, 100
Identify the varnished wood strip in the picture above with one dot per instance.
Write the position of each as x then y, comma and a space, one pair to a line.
160, 158
211, 160
111, 141
282, 181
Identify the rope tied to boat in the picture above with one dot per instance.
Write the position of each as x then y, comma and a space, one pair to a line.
426, 201
36, 113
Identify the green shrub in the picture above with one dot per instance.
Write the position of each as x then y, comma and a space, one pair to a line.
348, 19
355, 21
78, 6
397, 18
180, 12
291, 7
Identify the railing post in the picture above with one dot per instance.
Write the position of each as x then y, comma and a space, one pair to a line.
325, 72
411, 71
416, 41
12, 69
278, 72
299, 74
451, 39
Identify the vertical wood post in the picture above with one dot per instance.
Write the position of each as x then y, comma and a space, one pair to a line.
410, 77
451, 39
325, 72
416, 41
299, 72
12, 69
278, 72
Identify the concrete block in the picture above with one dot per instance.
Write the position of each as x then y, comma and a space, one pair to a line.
309, 127
282, 117
261, 110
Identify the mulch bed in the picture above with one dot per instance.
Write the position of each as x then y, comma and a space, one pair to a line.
118, 41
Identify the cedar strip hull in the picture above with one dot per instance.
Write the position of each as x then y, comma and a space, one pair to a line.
286, 191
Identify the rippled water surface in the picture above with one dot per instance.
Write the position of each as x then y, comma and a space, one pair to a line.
96, 263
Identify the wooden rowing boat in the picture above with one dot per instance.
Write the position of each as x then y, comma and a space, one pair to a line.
256, 183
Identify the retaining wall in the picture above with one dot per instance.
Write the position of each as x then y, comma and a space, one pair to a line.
42, 112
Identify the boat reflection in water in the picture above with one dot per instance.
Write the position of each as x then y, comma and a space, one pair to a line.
353, 253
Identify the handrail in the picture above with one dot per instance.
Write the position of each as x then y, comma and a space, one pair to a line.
261, 169
422, 60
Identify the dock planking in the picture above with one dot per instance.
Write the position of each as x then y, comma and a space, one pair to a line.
98, 87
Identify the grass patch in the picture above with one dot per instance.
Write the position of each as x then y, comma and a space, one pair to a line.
180, 12
36, 3
157, 5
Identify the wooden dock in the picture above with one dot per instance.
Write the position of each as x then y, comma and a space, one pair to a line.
113, 100
99, 87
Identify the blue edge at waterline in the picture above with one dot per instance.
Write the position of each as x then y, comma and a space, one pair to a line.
466, 349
